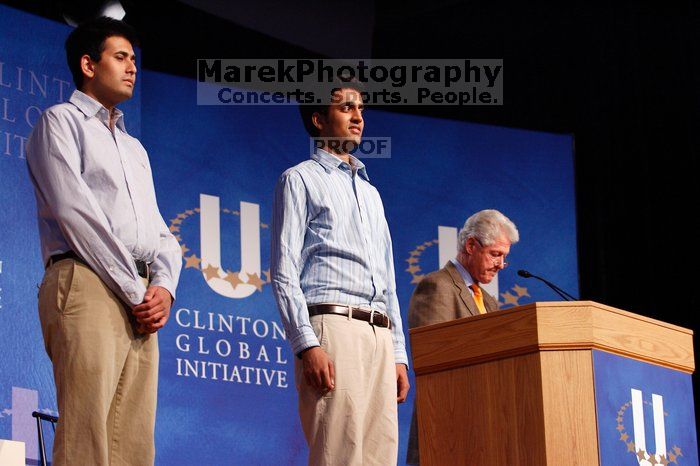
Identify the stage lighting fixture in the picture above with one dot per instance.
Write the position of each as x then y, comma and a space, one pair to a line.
76, 11
114, 9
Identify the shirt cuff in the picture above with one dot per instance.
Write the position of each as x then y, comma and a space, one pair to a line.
165, 283
400, 356
135, 294
303, 339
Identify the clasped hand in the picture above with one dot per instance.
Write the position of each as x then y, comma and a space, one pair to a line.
152, 314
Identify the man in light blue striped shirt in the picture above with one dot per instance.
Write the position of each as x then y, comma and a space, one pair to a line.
333, 279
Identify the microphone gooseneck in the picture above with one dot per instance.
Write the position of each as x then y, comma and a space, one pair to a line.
566, 296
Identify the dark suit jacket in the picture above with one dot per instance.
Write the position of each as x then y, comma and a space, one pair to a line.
439, 297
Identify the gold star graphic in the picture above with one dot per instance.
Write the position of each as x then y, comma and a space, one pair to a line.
508, 298
233, 278
428, 243
624, 436
181, 216
227, 211
417, 278
413, 269
677, 451
630, 446
184, 249
620, 427
210, 272
412, 260
235, 212
197, 209
266, 273
192, 262
520, 291
641, 455
189, 211
663, 460
264, 225
174, 229
254, 280
420, 248
435, 241
672, 458
619, 419
176, 221
415, 253
178, 238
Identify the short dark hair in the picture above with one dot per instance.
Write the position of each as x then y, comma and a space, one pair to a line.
307, 110
89, 39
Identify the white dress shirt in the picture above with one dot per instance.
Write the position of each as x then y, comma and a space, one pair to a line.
95, 196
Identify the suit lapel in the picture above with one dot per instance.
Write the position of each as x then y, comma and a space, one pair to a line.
490, 302
464, 293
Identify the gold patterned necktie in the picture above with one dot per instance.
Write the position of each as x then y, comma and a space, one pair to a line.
478, 297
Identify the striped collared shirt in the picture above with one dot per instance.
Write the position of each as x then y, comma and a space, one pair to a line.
331, 244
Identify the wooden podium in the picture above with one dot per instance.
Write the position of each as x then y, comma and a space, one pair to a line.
516, 387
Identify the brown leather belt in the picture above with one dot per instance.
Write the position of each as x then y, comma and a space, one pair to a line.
142, 267
368, 315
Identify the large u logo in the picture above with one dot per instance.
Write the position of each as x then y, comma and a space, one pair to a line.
210, 243
640, 441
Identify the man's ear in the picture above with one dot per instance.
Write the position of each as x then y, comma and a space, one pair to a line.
469, 245
318, 120
87, 66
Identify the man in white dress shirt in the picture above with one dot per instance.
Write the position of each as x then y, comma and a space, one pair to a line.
112, 265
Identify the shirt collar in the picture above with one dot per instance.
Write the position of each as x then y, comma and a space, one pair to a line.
330, 161
468, 280
92, 108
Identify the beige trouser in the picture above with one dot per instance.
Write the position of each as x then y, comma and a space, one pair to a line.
106, 376
356, 423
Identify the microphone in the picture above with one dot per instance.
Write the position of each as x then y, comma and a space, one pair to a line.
557, 290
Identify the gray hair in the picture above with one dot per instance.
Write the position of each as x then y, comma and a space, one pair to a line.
487, 226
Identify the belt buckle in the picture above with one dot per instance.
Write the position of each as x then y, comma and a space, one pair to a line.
371, 316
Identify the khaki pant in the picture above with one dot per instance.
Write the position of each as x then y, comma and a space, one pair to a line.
356, 423
106, 376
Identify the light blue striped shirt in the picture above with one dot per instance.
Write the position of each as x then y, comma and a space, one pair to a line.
331, 244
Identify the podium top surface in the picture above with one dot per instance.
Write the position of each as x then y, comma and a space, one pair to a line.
551, 326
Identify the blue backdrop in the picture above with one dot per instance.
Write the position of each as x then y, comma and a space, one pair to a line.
624, 441
226, 393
